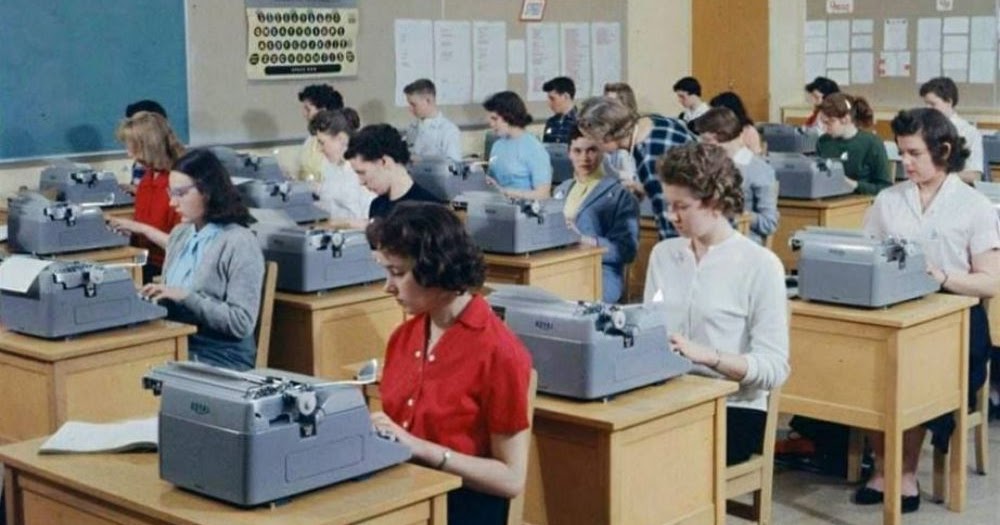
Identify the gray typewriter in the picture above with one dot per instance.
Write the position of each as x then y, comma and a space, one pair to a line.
788, 139
447, 178
504, 225
71, 298
992, 192
849, 267
295, 198
246, 166
38, 225
78, 183
562, 166
318, 259
255, 437
803, 177
588, 350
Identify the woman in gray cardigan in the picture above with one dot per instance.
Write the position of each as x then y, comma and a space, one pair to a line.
214, 268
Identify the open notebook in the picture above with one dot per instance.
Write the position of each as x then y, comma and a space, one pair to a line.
77, 437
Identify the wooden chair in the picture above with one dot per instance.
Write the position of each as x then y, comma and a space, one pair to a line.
515, 512
979, 422
755, 475
263, 332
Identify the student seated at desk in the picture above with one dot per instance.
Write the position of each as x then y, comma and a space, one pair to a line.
960, 233
615, 126
340, 192
431, 135
519, 164
214, 269
379, 156
688, 91
941, 93
749, 135
760, 196
602, 211
314, 99
725, 295
153, 146
862, 152
455, 383
620, 161
816, 91
559, 93
152, 106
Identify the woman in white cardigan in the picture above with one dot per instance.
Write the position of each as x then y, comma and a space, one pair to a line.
724, 294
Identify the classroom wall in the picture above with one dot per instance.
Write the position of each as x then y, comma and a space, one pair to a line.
787, 27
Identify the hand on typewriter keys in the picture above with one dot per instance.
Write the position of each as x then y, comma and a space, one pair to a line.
386, 427
157, 292
697, 353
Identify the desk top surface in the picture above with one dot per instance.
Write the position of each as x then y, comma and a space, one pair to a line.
132, 481
52, 350
333, 298
742, 222
900, 315
832, 202
545, 257
117, 253
637, 406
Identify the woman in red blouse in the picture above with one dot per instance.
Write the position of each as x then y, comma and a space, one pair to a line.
455, 383
152, 144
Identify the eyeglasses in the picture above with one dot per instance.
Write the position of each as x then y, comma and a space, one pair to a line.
179, 191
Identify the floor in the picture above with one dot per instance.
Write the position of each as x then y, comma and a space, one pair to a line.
803, 498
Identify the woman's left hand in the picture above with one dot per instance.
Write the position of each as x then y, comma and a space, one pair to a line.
852, 183
156, 292
937, 274
697, 353
386, 425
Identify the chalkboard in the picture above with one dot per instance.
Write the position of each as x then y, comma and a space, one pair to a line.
70, 68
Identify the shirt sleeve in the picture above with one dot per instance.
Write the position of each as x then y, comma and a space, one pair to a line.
235, 314
765, 192
653, 290
452, 139
974, 141
874, 222
507, 396
880, 177
985, 230
767, 358
539, 165
621, 238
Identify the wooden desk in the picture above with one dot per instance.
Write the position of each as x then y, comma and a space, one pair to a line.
649, 235
846, 212
118, 255
107, 489
317, 334
94, 377
656, 455
572, 272
982, 117
885, 370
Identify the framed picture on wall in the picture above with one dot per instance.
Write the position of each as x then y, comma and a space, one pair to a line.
532, 10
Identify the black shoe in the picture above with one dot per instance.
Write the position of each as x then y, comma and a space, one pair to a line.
869, 496
911, 503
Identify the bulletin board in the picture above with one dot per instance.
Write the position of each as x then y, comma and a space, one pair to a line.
226, 107
904, 91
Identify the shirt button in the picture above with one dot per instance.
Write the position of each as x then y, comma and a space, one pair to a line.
416, 354
406, 424
431, 359
409, 402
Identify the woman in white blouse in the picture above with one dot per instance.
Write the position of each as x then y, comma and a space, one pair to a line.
960, 234
725, 295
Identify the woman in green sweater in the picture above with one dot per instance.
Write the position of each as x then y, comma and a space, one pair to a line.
862, 152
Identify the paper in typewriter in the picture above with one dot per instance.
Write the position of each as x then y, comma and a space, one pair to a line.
77, 437
18, 273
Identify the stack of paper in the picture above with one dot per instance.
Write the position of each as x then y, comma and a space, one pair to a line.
79, 437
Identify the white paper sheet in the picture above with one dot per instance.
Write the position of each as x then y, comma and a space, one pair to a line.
955, 66
815, 66
862, 68
862, 42
863, 25
574, 55
839, 7
894, 64
18, 272
489, 58
955, 25
838, 60
3, 232
928, 65
543, 57
981, 67
929, 33
955, 44
894, 34
606, 54
984, 33
453, 61
840, 76
815, 44
515, 57
414, 53
815, 28
80, 437
838, 36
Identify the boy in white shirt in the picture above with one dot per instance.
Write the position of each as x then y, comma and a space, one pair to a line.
340, 191
941, 93
688, 91
431, 135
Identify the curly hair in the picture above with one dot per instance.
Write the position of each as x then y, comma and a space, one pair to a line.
434, 239
947, 148
509, 106
707, 172
606, 119
223, 204
150, 138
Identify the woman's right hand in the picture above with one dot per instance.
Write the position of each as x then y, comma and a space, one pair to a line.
127, 225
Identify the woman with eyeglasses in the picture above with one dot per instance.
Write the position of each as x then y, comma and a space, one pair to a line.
214, 268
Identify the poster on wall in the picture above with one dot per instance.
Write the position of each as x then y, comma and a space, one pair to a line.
301, 39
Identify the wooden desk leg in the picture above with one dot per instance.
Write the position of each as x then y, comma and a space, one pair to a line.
13, 514
720, 462
439, 510
855, 452
958, 447
893, 438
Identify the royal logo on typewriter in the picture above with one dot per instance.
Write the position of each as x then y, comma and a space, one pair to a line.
199, 408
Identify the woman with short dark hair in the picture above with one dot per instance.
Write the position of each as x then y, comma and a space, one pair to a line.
214, 268
455, 383
519, 164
